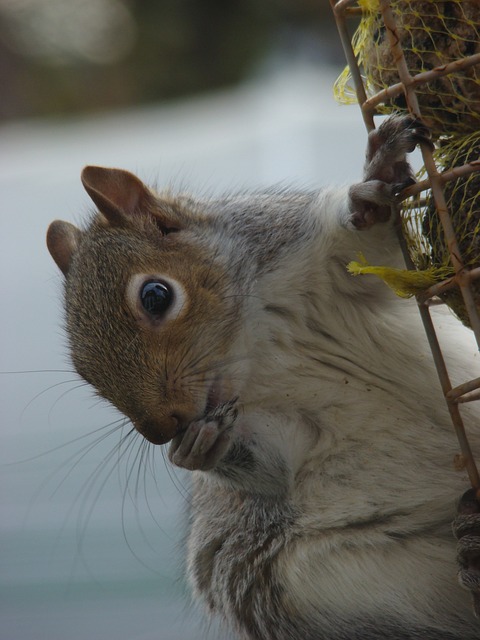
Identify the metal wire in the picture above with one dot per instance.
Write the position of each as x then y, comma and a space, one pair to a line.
468, 391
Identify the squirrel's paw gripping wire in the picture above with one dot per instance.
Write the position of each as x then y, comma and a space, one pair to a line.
466, 528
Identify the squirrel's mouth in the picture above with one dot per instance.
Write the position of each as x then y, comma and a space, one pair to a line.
163, 430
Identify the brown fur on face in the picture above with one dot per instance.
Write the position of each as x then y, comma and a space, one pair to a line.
143, 365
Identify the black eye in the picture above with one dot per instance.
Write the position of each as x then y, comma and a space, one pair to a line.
156, 297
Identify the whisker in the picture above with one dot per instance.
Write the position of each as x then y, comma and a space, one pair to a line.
246, 295
132, 342
67, 444
185, 354
87, 489
182, 490
53, 386
138, 457
75, 458
61, 396
80, 455
215, 283
219, 364
84, 514
149, 466
99, 402
212, 264
142, 466
194, 362
13, 373
132, 465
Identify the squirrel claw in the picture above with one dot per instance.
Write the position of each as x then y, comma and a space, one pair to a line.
386, 170
421, 133
466, 528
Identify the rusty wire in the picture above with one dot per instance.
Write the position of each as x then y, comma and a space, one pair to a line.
469, 390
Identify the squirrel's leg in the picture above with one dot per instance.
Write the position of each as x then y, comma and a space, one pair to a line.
386, 170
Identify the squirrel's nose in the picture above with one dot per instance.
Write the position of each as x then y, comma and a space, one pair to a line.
159, 431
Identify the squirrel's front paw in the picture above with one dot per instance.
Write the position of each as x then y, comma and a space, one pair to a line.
387, 149
205, 442
466, 528
370, 202
386, 170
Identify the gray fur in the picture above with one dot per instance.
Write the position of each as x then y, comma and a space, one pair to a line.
304, 401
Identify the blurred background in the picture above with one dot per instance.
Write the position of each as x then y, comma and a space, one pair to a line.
68, 56
206, 96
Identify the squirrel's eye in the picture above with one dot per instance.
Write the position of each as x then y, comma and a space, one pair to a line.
156, 297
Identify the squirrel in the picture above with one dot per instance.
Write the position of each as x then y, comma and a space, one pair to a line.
304, 401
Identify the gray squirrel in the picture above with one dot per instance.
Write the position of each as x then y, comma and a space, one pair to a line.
304, 401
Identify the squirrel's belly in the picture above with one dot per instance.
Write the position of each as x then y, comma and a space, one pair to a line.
237, 556
232, 557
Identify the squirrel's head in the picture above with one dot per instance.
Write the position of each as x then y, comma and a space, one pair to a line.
149, 314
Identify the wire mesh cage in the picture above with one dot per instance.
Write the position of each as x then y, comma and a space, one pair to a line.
423, 57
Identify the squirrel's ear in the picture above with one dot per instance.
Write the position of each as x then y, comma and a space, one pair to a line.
62, 242
117, 193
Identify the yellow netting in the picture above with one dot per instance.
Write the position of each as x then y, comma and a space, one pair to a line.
424, 235
423, 230
431, 34
403, 282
